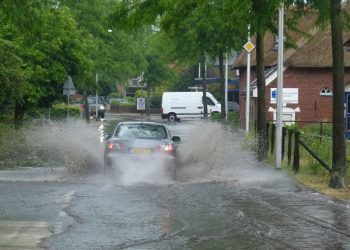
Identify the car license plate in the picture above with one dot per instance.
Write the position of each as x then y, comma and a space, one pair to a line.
141, 151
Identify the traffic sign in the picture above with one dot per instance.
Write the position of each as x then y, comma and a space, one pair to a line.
68, 87
249, 46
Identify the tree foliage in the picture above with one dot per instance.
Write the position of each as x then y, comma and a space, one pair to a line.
42, 42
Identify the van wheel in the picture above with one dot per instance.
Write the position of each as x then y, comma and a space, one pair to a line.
172, 117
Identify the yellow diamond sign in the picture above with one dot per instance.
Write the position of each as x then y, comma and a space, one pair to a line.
249, 46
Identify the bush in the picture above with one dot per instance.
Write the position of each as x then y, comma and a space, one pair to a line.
315, 129
115, 95
59, 111
156, 101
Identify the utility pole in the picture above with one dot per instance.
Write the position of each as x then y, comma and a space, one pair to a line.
279, 111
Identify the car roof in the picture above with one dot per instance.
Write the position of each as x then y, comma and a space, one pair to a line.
140, 122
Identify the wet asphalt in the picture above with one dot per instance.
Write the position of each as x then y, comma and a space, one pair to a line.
222, 199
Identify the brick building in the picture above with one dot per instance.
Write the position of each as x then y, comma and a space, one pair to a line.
308, 80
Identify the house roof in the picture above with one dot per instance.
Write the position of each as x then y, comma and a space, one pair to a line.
311, 50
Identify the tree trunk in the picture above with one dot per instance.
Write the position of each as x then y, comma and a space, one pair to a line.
204, 83
222, 85
19, 113
339, 147
86, 107
149, 88
261, 107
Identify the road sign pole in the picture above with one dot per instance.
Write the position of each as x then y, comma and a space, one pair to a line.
68, 105
279, 111
226, 83
96, 97
248, 47
68, 88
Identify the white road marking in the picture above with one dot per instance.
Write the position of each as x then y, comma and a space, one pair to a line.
25, 234
65, 200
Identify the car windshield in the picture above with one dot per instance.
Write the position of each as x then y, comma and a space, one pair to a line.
92, 100
141, 131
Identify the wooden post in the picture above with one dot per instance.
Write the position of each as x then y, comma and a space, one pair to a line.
273, 129
296, 162
321, 132
290, 136
267, 135
283, 140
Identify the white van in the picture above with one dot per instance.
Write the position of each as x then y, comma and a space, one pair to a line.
176, 105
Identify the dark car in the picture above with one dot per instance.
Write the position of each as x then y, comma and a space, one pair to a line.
141, 144
233, 107
92, 106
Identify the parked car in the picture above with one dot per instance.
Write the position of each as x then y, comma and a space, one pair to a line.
137, 143
92, 106
232, 106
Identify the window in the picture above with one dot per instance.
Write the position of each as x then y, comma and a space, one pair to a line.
210, 102
326, 92
275, 44
347, 45
141, 131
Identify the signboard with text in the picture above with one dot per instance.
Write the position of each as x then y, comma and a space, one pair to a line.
290, 95
141, 103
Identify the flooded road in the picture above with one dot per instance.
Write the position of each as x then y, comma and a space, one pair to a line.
222, 199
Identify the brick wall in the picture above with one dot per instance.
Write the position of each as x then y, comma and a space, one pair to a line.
309, 81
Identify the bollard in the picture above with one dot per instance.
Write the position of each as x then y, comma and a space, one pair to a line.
290, 136
283, 141
273, 128
296, 162
267, 135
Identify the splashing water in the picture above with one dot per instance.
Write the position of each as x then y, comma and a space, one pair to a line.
213, 153
208, 152
75, 145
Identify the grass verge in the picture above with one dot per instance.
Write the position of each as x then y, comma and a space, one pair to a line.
320, 183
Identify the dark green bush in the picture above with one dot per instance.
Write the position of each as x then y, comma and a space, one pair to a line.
59, 111
156, 101
115, 95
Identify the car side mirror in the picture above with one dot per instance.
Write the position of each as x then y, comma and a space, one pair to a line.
108, 136
176, 139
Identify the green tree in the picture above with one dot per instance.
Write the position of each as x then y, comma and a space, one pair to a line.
44, 56
198, 29
263, 15
117, 56
339, 147
332, 11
